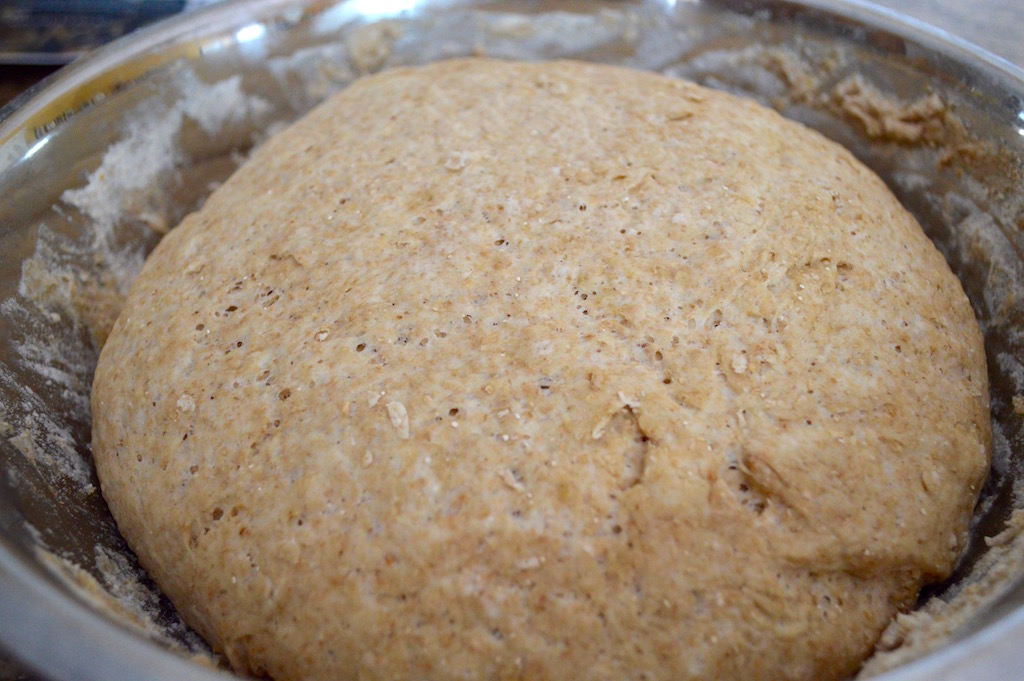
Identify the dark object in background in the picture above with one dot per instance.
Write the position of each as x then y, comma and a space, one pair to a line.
39, 36
16, 78
53, 32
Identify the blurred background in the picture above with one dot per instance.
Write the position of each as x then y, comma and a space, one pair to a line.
39, 36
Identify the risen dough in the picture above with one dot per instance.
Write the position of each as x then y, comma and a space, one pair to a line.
488, 370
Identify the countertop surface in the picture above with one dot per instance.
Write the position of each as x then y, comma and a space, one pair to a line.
995, 25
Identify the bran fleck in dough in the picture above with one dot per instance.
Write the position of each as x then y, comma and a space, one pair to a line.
489, 370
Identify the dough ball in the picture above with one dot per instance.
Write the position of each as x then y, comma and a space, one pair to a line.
491, 370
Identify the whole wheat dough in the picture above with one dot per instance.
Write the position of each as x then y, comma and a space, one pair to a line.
490, 370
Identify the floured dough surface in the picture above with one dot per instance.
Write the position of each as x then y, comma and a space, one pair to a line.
489, 370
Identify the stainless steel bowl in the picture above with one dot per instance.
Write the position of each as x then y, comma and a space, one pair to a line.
109, 153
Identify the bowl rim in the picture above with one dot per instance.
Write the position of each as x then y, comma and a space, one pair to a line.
62, 637
918, 31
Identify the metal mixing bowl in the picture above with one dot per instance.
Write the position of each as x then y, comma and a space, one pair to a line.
103, 158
